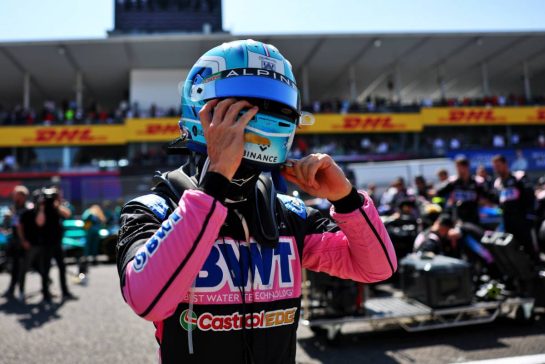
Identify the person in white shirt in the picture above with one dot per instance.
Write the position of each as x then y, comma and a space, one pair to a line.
498, 141
520, 164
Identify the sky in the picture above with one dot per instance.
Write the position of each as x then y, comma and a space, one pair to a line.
23, 20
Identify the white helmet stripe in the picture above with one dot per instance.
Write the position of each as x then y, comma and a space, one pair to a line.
216, 63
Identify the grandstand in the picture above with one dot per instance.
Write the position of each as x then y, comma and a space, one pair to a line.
376, 97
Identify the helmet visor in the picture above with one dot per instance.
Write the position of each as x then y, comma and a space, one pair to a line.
253, 83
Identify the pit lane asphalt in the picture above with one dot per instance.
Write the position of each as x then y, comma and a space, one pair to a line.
100, 328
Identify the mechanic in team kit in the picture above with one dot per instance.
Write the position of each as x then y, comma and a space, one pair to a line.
463, 193
214, 256
515, 195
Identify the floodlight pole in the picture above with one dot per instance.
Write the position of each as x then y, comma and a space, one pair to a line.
79, 89
352, 83
526, 80
306, 86
486, 83
441, 82
442, 89
26, 91
397, 83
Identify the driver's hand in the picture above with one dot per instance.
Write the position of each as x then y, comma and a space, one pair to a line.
224, 133
319, 176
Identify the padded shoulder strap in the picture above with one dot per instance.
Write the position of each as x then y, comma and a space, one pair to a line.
173, 184
265, 221
155, 203
294, 204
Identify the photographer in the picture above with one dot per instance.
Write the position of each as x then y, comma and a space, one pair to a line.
55, 212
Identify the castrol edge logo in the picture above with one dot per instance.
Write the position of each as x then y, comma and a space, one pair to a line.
207, 321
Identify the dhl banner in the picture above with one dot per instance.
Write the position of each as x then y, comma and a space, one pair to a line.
483, 116
152, 129
37, 136
133, 130
165, 129
363, 123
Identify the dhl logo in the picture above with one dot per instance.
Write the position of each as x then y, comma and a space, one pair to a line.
160, 129
369, 123
68, 135
539, 116
472, 117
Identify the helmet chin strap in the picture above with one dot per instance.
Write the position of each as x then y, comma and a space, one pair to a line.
204, 169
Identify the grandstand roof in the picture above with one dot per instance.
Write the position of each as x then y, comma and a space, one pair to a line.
415, 62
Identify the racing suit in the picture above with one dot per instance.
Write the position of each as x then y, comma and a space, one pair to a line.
214, 293
540, 218
463, 197
516, 198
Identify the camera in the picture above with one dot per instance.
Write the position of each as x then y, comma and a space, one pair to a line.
45, 196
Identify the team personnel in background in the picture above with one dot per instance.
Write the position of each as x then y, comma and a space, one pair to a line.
540, 212
55, 211
421, 188
440, 238
463, 193
488, 180
15, 250
214, 256
517, 200
442, 176
392, 198
94, 219
32, 233
442, 181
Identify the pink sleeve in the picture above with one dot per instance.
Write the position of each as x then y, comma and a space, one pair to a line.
164, 268
361, 250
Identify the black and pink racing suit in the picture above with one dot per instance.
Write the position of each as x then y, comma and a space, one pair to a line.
217, 296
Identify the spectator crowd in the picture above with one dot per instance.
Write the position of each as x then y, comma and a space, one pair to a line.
431, 144
67, 112
388, 105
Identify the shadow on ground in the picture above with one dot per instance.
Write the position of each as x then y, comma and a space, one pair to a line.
32, 315
378, 347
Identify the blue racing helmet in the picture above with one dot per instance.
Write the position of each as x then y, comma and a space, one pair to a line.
253, 71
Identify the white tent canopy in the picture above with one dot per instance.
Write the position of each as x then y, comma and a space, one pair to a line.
410, 66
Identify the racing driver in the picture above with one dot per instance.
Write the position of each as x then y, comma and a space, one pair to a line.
214, 255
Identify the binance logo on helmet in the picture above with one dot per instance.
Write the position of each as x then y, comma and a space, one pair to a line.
254, 71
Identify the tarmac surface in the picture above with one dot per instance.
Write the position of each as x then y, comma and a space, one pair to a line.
100, 328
